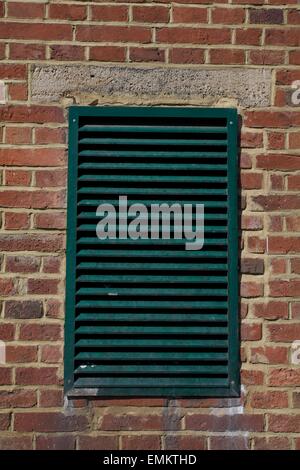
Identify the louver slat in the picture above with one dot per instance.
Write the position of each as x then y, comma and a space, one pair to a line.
147, 317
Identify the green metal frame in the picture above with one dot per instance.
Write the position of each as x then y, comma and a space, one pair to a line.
75, 112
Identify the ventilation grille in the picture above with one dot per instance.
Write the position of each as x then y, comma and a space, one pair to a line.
150, 317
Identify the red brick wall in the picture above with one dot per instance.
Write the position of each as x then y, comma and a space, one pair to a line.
249, 33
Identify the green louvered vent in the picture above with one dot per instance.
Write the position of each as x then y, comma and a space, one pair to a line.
148, 317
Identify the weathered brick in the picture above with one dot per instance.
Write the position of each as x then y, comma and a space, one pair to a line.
269, 355
22, 264
44, 332
49, 422
63, 442
21, 309
99, 442
36, 376
18, 399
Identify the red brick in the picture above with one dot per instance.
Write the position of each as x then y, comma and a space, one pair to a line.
189, 15
49, 422
31, 242
278, 266
227, 56
32, 157
284, 423
47, 135
292, 223
256, 244
109, 33
248, 36
275, 223
199, 36
143, 54
284, 332
4, 421
7, 331
130, 422
51, 354
108, 53
63, 11
252, 266
237, 422
53, 308
277, 182
251, 180
17, 399
44, 332
16, 443
66, 52
296, 400
269, 355
272, 203
143, 442
63, 442
287, 77
42, 286
51, 264
295, 266
276, 140
16, 220
252, 222
229, 443
284, 378
27, 51
293, 17
267, 57
2, 51
228, 15
22, 264
294, 57
2, 11
293, 183
272, 119
252, 377
51, 178
271, 310
32, 199
150, 14
109, 13
7, 286
54, 220
20, 309
17, 91
283, 245
295, 310
22, 354
17, 177
251, 332
5, 378
271, 443
13, 71
186, 56
282, 37
36, 375
51, 398
36, 31
251, 140
294, 140
34, 113
25, 10
269, 400
99, 442
176, 442
266, 16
